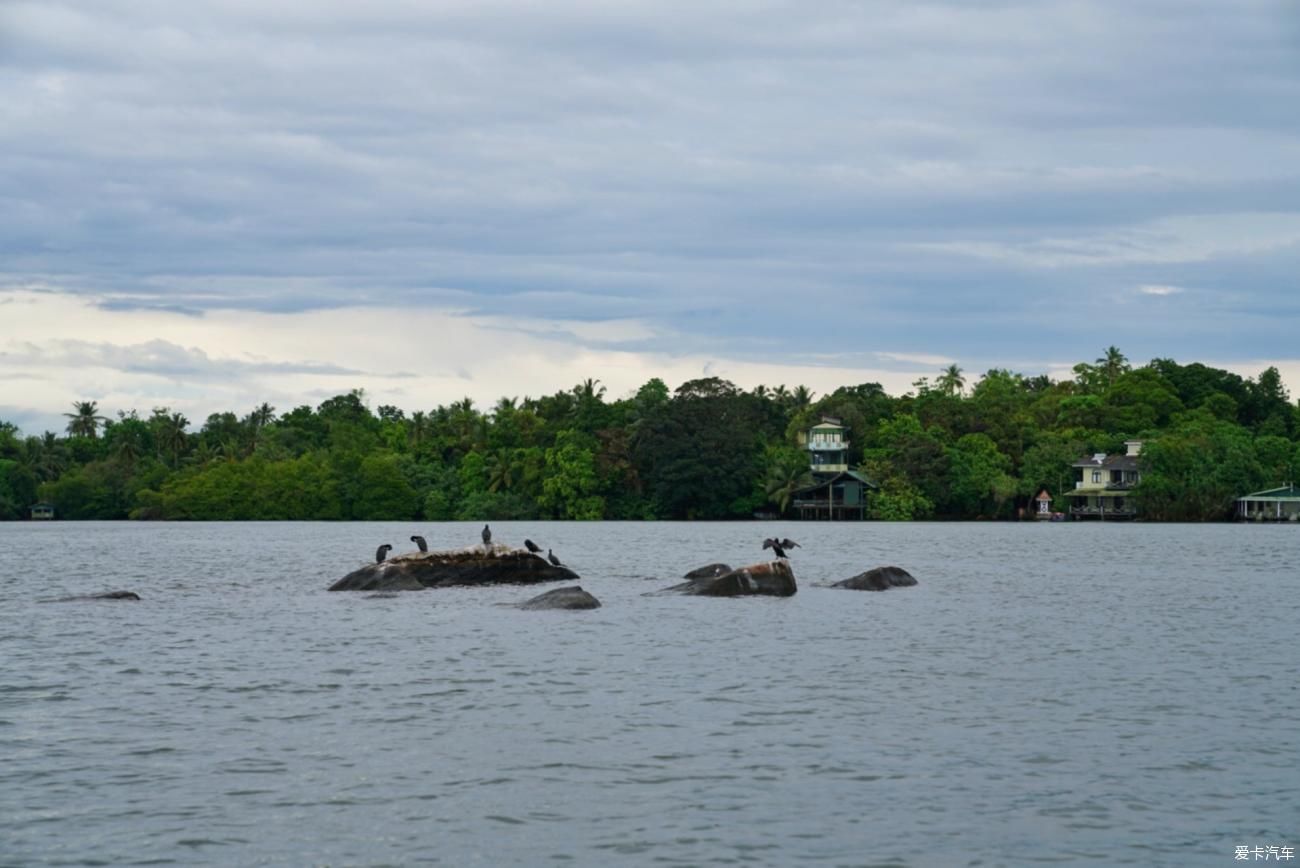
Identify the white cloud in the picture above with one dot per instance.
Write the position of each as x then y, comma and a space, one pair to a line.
1160, 289
57, 349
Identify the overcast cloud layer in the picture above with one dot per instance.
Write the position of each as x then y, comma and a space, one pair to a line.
211, 204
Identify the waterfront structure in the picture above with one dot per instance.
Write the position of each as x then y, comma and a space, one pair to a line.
1104, 484
42, 511
1275, 504
1043, 506
836, 492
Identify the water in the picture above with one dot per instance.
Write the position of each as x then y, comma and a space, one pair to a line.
1049, 694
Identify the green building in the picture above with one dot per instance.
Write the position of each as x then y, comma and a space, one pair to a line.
1276, 504
836, 493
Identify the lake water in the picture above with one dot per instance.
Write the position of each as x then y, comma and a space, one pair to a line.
1065, 694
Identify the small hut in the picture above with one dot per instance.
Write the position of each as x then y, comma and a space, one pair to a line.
1043, 506
42, 511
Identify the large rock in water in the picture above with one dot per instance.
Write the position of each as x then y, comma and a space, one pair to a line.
878, 579
563, 598
476, 565
773, 579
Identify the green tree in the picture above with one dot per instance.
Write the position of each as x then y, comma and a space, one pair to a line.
86, 420
787, 472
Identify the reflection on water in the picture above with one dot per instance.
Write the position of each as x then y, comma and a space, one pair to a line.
1086, 694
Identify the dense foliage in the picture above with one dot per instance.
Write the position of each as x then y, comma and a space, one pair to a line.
706, 451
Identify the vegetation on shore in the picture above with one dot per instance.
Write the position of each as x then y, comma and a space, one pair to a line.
708, 450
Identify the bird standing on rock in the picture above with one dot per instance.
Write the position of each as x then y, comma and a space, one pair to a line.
419, 541
487, 536
776, 546
550, 556
532, 546
381, 553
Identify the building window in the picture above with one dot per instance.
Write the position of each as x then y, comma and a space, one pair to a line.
1096, 476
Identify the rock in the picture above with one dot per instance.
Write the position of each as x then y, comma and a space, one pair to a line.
773, 578
107, 595
712, 571
878, 579
477, 565
563, 598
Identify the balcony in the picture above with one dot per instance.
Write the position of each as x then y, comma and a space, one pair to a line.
829, 446
1100, 511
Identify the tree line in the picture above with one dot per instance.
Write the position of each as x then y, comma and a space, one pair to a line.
707, 450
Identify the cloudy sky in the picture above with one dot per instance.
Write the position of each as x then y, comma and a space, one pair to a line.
210, 204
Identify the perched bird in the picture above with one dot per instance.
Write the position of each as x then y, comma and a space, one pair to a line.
381, 553
774, 545
532, 546
550, 556
419, 541
487, 536
788, 543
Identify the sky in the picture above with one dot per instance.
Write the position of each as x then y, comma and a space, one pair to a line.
212, 204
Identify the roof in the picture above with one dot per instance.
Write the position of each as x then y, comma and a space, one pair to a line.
1286, 492
1109, 462
851, 474
824, 424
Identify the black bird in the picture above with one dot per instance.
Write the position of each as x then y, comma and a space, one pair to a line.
774, 545
487, 536
550, 556
788, 543
419, 541
381, 553
532, 546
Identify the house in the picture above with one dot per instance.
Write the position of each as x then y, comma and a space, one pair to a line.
42, 511
836, 491
1104, 483
1275, 504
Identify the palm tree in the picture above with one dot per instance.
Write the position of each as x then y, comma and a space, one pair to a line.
418, 427
951, 382
172, 437
801, 398
1112, 364
787, 473
501, 471
127, 451
85, 422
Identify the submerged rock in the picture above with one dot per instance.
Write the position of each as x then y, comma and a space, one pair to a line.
563, 598
877, 579
712, 571
772, 578
107, 595
477, 565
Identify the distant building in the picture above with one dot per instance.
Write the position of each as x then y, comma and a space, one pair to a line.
1276, 504
42, 511
1104, 483
1043, 506
837, 492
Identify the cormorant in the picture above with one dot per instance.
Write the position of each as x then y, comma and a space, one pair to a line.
774, 545
419, 541
788, 543
487, 536
532, 546
550, 556
381, 553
